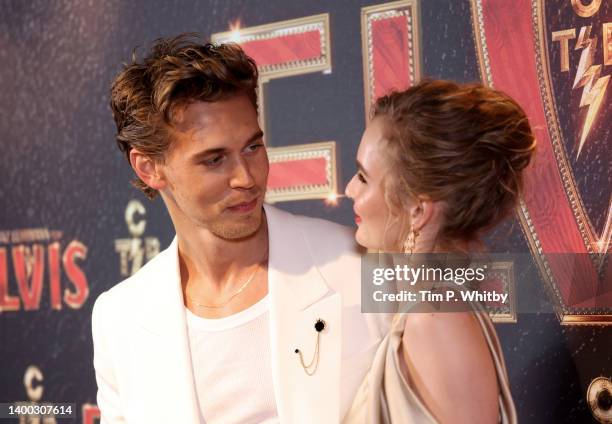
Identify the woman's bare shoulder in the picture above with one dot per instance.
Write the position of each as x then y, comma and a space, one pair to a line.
449, 363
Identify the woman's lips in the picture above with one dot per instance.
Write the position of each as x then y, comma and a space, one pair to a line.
357, 219
244, 207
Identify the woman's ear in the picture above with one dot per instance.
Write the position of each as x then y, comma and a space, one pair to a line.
148, 170
423, 212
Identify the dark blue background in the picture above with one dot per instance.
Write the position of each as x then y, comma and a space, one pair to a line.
62, 170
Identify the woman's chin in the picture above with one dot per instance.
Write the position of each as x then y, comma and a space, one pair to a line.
363, 240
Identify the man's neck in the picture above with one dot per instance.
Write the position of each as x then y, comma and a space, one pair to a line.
208, 259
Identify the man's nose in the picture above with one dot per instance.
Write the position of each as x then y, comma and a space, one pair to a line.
241, 176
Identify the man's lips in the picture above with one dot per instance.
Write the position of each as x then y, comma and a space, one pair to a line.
244, 206
357, 219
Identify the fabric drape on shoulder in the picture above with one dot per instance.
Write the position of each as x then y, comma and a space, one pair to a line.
385, 397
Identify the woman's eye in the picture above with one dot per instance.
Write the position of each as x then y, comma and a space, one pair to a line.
361, 178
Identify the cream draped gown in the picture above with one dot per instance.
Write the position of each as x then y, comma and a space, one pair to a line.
385, 396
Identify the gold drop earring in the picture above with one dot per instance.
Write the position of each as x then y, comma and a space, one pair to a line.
410, 243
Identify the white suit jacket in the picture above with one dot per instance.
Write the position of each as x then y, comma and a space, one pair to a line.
141, 349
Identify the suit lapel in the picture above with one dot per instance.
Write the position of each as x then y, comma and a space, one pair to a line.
298, 297
163, 318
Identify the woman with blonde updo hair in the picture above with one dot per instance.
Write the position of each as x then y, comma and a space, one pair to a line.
439, 164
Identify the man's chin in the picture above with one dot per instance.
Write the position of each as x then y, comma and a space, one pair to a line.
238, 230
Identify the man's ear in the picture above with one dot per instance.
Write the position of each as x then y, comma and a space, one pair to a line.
148, 170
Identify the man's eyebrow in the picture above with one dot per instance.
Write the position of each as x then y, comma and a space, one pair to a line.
259, 134
361, 168
218, 150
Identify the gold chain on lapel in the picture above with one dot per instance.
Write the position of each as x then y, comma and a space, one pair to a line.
319, 327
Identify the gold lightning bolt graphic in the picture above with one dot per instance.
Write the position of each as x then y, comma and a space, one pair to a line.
587, 76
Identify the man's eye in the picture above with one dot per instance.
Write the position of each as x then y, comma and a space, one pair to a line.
254, 147
361, 178
213, 161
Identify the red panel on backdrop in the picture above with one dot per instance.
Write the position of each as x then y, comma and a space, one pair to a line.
390, 47
297, 172
391, 54
285, 48
512, 56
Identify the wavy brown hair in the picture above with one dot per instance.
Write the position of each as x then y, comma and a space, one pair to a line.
177, 71
466, 145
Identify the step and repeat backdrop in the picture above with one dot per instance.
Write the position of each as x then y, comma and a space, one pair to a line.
72, 226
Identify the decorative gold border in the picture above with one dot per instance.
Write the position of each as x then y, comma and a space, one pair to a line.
281, 28
269, 72
480, 40
521, 211
587, 319
571, 315
409, 8
585, 225
538, 254
267, 31
507, 270
596, 387
326, 150
565, 316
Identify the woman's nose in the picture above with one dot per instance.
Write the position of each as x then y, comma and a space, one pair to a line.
348, 191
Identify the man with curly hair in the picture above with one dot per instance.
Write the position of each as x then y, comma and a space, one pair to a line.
251, 314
